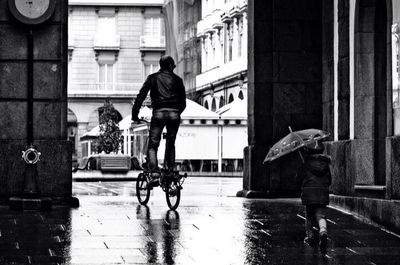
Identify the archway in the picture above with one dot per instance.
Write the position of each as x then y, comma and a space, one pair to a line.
221, 102
230, 98
214, 105
72, 123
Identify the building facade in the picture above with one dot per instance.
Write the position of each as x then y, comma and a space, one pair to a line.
112, 49
223, 36
182, 44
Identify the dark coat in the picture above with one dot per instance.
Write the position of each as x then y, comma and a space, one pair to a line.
315, 178
166, 91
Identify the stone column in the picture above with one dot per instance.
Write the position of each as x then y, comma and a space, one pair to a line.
343, 71
284, 88
50, 43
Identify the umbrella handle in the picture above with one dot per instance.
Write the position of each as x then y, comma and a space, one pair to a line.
301, 156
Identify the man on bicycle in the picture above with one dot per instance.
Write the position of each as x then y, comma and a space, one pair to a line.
168, 100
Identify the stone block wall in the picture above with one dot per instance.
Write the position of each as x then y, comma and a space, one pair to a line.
49, 103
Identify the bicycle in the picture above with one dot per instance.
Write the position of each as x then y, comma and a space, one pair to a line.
170, 181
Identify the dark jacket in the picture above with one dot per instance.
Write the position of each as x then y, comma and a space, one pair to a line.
315, 178
166, 91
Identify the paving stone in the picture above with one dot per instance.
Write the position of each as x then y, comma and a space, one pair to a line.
211, 226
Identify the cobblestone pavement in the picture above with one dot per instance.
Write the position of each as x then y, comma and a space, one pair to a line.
211, 226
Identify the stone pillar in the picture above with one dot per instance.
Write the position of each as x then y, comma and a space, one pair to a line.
284, 88
343, 71
327, 66
50, 57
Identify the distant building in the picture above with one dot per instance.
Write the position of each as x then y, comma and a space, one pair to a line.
181, 17
112, 48
223, 36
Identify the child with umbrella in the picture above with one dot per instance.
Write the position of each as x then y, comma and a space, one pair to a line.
315, 178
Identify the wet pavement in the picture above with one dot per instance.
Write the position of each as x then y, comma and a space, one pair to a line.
211, 226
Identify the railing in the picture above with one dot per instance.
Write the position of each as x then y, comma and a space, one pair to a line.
111, 43
152, 42
103, 88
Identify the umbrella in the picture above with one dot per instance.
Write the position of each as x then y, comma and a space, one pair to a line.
293, 141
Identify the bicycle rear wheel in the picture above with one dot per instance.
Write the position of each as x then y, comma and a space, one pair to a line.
142, 189
173, 195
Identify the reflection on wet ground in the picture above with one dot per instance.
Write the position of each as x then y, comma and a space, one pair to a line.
211, 226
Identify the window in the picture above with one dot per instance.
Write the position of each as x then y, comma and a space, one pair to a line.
153, 27
149, 68
106, 77
240, 40
206, 105
229, 40
221, 102
241, 94
214, 105
106, 31
230, 98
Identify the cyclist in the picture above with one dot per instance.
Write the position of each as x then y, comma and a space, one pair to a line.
168, 100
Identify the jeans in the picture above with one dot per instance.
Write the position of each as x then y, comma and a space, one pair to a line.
315, 213
163, 118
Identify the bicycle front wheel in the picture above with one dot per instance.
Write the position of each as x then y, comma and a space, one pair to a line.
142, 189
173, 195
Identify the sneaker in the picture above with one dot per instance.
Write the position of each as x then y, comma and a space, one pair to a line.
323, 241
309, 240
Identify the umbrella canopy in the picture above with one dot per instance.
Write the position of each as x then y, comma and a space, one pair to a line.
293, 141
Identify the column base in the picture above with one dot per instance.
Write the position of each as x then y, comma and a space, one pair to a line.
38, 204
253, 194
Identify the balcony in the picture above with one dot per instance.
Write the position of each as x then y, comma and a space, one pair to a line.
152, 43
221, 72
103, 89
107, 44
234, 8
210, 23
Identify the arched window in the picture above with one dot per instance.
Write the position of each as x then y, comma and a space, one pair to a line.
214, 105
206, 105
72, 131
221, 102
230, 98
241, 94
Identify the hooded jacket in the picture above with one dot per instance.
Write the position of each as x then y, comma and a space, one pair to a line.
315, 177
166, 91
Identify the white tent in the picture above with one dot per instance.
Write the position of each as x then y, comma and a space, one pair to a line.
196, 111
93, 133
237, 109
144, 113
